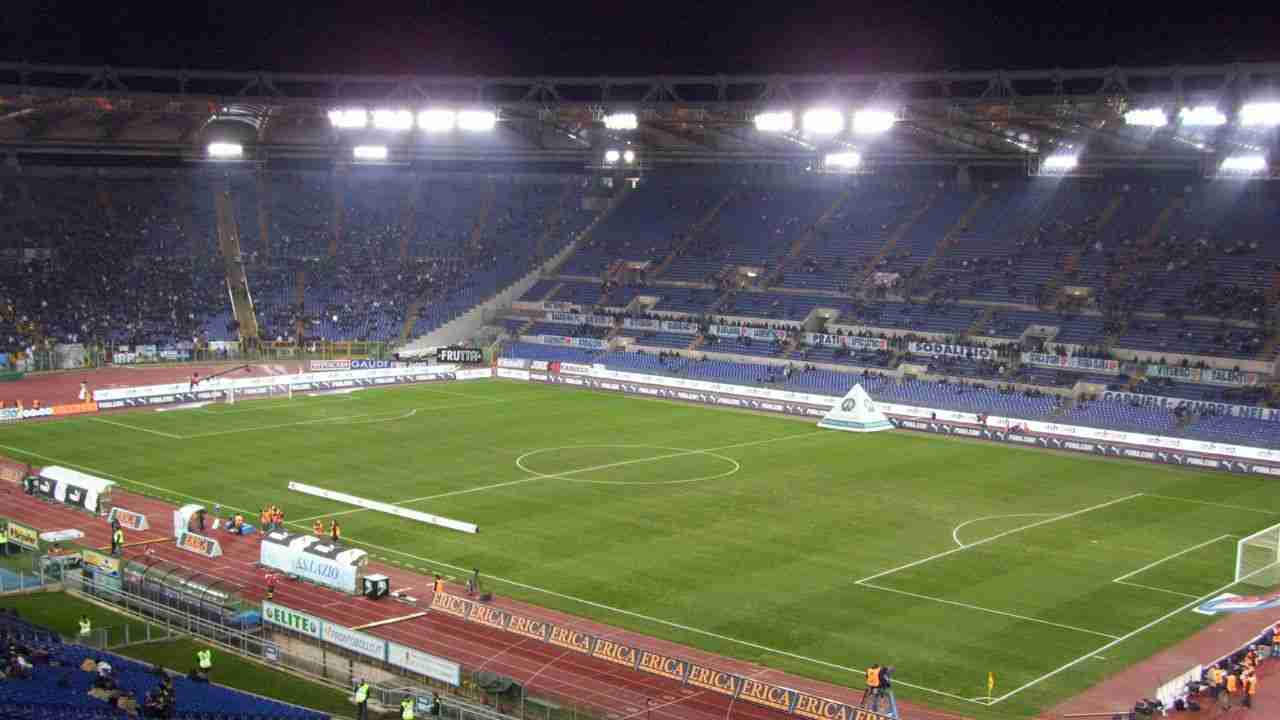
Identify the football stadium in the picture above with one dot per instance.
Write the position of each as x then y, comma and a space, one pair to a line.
839, 397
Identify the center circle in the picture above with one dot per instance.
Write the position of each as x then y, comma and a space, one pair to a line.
595, 458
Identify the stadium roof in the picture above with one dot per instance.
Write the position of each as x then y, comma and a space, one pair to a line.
978, 117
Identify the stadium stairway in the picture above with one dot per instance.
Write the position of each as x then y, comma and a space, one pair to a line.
961, 225
800, 243
860, 275
694, 231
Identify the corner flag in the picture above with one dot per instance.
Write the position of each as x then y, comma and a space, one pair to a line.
856, 412
991, 684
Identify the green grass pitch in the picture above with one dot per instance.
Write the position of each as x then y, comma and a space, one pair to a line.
813, 551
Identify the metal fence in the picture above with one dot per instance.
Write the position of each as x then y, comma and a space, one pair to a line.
335, 668
70, 357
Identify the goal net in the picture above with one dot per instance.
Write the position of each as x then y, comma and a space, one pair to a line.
1258, 558
231, 396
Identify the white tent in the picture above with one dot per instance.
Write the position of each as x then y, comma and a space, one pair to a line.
856, 412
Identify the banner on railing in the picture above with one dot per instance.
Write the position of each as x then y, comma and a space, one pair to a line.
677, 326
580, 319
729, 331
1230, 378
565, 341
1174, 372
933, 349
853, 342
1098, 365
1196, 406
639, 324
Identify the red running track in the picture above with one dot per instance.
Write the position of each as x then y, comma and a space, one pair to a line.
603, 687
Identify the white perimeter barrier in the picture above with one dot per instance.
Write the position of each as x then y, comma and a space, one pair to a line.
396, 510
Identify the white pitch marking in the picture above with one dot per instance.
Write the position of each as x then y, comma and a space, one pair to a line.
1150, 587
681, 452
980, 608
1006, 533
334, 419
553, 476
955, 533
1214, 504
1167, 558
138, 428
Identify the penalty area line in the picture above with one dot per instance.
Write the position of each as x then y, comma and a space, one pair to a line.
138, 428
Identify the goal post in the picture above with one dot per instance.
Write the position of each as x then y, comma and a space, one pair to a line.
1258, 558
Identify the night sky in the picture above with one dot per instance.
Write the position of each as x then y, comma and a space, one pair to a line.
620, 37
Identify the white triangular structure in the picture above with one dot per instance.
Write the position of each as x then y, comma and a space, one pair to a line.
856, 412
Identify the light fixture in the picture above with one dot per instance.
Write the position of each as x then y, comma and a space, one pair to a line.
1060, 162
392, 119
628, 156
370, 152
873, 122
823, 121
1146, 117
611, 156
477, 120
1244, 164
1260, 114
780, 121
843, 160
1202, 116
225, 150
621, 121
436, 120
349, 118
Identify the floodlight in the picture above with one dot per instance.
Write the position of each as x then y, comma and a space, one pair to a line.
225, 150
823, 121
872, 122
392, 119
621, 121
611, 156
370, 152
1202, 116
477, 120
436, 120
349, 118
1060, 162
1244, 164
628, 156
1146, 117
782, 121
1260, 114
844, 160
